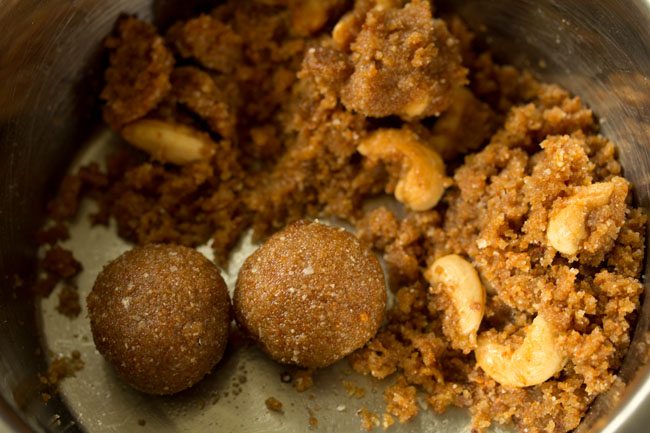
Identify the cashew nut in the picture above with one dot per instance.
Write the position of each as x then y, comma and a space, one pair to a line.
169, 142
422, 179
566, 226
309, 16
346, 30
463, 286
537, 359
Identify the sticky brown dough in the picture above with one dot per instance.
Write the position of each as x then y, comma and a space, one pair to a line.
310, 295
160, 315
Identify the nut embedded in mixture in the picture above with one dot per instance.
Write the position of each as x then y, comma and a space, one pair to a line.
454, 277
310, 295
421, 171
169, 142
536, 360
160, 314
576, 220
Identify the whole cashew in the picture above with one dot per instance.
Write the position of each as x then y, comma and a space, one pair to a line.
536, 360
169, 142
566, 226
462, 284
422, 180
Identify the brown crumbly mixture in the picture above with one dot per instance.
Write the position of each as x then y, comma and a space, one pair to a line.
369, 420
497, 215
69, 304
404, 62
285, 87
303, 380
138, 77
273, 404
199, 92
60, 262
211, 42
401, 400
57, 232
60, 368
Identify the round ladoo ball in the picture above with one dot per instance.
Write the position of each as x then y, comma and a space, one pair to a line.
160, 315
310, 295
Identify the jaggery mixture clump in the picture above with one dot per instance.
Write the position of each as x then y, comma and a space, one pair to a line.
531, 195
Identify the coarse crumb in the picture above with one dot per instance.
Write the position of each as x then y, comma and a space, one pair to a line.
138, 77
303, 379
313, 421
273, 404
353, 389
69, 304
369, 420
60, 262
62, 367
401, 400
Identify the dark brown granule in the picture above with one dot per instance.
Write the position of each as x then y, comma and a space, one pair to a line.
138, 77
199, 92
142, 422
54, 234
213, 43
62, 367
273, 404
369, 420
303, 379
69, 304
66, 203
45, 285
60, 262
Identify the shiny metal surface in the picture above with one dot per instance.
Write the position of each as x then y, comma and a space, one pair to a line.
49, 63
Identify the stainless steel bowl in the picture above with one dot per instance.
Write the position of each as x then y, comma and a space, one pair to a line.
50, 64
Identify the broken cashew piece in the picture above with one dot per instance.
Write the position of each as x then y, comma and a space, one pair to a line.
464, 287
422, 180
566, 226
169, 142
535, 361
